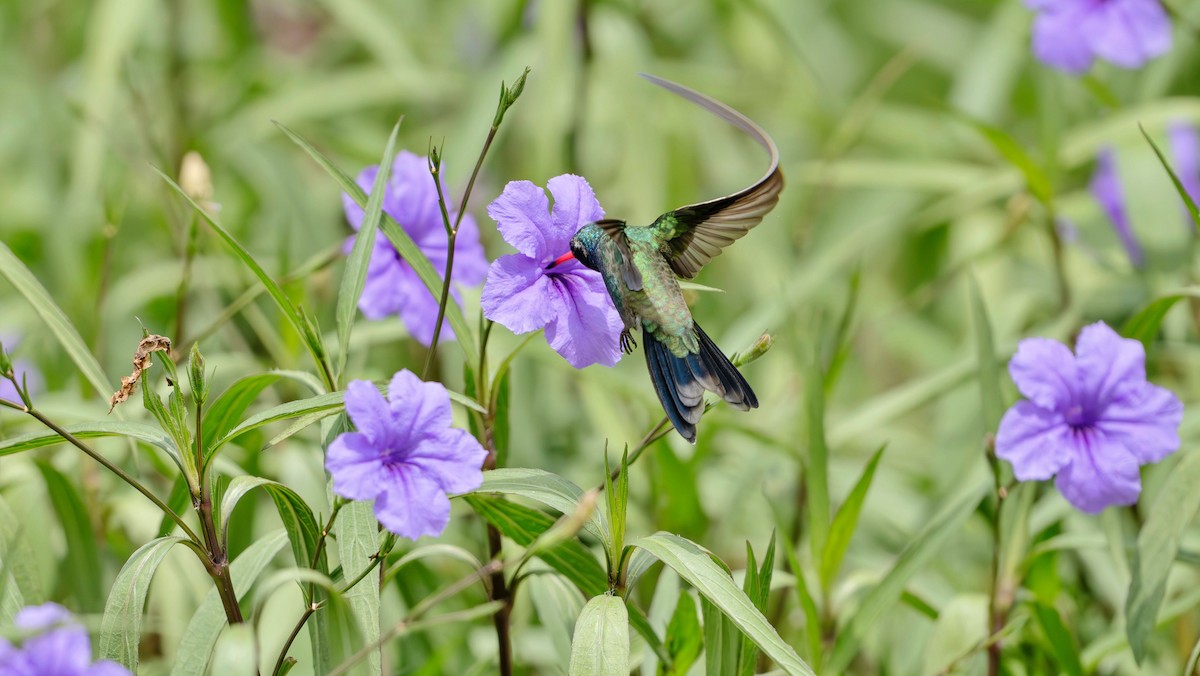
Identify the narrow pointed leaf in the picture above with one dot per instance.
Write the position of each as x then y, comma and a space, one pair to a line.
147, 434
714, 583
845, 522
1193, 211
354, 278
121, 627
552, 490
81, 566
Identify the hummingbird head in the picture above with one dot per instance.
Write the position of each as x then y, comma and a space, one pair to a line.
583, 247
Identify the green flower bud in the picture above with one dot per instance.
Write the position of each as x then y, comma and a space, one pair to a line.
196, 376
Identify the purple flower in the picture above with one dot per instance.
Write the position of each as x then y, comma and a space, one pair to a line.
570, 300
1069, 34
24, 371
392, 286
1090, 417
1106, 188
59, 647
405, 455
1185, 146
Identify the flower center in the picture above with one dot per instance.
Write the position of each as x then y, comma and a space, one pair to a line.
1077, 417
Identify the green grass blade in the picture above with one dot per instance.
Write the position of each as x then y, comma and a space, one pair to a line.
81, 566
695, 565
1143, 325
64, 331
354, 278
1192, 210
121, 627
399, 239
846, 521
196, 644
817, 471
1066, 652
310, 337
923, 547
985, 350
1168, 519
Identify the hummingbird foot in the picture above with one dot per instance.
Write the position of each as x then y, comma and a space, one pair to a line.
627, 342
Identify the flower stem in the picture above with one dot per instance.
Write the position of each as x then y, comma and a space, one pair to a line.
997, 609
218, 561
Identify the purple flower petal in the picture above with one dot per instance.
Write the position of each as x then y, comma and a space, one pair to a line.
453, 457
1106, 188
515, 294
369, 411
1058, 38
1185, 147
44, 616
1035, 440
417, 406
62, 648
1146, 422
586, 328
107, 668
575, 205
366, 181
1101, 473
522, 214
1127, 32
354, 462
1109, 366
1044, 371
412, 505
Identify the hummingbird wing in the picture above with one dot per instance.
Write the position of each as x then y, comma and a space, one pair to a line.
697, 233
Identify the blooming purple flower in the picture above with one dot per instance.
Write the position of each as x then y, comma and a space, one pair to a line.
60, 647
1106, 188
1185, 147
570, 300
1090, 417
392, 286
405, 455
1069, 34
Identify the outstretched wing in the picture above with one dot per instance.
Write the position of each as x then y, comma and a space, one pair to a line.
695, 234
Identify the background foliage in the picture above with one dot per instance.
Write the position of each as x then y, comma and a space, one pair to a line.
862, 274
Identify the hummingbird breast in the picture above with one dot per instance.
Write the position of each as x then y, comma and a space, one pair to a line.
659, 304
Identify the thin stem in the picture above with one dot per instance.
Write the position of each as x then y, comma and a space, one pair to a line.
451, 235
219, 562
71, 439
996, 608
287, 645
313, 606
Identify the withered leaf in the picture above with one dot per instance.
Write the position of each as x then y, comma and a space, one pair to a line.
141, 361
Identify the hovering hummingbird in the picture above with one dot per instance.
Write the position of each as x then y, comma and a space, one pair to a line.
640, 265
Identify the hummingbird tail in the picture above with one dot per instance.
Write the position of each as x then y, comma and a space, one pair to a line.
680, 382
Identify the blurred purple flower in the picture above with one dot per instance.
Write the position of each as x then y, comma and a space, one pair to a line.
570, 300
392, 286
25, 371
1069, 34
1090, 418
1106, 188
1185, 146
405, 455
60, 648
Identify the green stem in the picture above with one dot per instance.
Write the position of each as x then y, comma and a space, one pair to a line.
997, 609
218, 562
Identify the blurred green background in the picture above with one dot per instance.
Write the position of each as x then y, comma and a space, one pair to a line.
893, 202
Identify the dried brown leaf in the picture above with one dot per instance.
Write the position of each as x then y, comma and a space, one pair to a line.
141, 361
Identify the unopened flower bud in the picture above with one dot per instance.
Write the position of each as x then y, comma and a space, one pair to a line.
196, 377
195, 178
758, 349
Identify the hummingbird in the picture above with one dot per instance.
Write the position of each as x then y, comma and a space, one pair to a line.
641, 266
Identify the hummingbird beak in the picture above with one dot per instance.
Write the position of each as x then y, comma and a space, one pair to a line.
561, 259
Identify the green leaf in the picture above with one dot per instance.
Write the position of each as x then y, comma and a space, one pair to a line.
224, 413
237, 652
812, 620
1144, 324
311, 338
354, 278
147, 434
1066, 652
523, 525
601, 642
684, 637
298, 520
757, 586
357, 541
1193, 211
641, 624
921, 548
817, 475
1010, 150
56, 320
616, 499
400, 240
551, 490
81, 566
695, 565
845, 522
121, 627
985, 350
722, 641
178, 501
196, 644
17, 563
1168, 519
